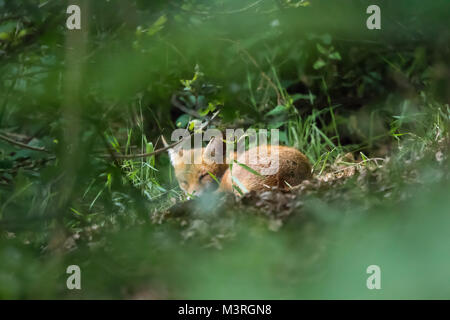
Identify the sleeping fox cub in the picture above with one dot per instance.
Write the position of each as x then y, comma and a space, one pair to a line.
197, 175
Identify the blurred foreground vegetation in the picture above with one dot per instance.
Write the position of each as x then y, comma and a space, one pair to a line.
369, 108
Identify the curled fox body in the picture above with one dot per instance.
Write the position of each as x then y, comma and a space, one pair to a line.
198, 175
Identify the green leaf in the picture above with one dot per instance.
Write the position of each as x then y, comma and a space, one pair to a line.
182, 121
321, 49
299, 96
157, 26
210, 108
148, 149
248, 168
194, 124
78, 213
238, 190
276, 124
319, 64
8, 27
4, 36
280, 109
335, 56
240, 185
214, 177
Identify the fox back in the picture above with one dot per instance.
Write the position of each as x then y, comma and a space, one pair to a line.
292, 168
199, 175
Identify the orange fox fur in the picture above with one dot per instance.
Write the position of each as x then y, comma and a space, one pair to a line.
293, 168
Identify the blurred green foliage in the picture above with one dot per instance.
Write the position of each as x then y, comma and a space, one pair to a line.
139, 69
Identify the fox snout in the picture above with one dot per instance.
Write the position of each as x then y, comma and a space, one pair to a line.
200, 189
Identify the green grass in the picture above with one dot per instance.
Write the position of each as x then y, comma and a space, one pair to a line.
124, 255
369, 110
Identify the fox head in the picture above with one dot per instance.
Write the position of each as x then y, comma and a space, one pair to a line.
194, 176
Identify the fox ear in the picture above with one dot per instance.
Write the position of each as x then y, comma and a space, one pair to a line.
214, 150
174, 155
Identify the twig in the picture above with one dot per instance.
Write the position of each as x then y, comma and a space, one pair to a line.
24, 75
254, 4
150, 154
359, 163
180, 106
112, 154
4, 19
22, 145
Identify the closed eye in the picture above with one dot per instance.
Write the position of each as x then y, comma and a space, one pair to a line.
184, 183
207, 181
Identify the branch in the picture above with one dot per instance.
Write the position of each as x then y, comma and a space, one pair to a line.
254, 4
24, 75
22, 145
150, 154
4, 19
242, 9
359, 163
180, 106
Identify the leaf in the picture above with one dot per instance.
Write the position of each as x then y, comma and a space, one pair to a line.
363, 156
248, 168
303, 4
335, 56
4, 36
240, 185
8, 27
22, 33
194, 124
299, 96
157, 26
321, 49
280, 109
148, 149
319, 64
22, 153
76, 212
214, 177
210, 108
276, 124
238, 190
182, 121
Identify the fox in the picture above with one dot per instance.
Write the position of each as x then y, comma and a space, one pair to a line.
209, 175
